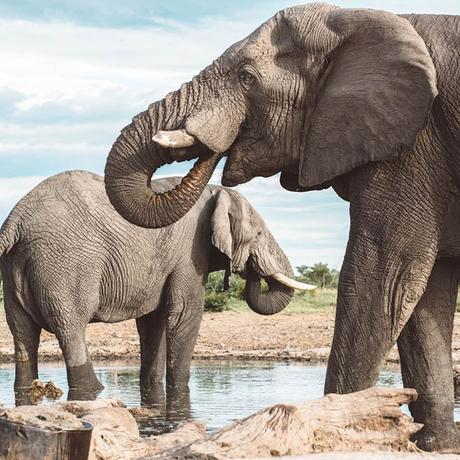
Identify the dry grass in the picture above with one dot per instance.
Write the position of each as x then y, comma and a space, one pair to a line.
319, 300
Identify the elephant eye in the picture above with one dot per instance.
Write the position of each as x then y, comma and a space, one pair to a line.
246, 78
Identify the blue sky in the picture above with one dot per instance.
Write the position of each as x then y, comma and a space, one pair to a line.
73, 73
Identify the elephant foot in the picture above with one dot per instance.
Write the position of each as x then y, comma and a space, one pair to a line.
21, 397
83, 383
153, 395
445, 439
178, 405
25, 374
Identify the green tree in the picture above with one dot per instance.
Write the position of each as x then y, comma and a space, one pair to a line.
320, 274
215, 298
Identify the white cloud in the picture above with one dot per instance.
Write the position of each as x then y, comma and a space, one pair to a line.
12, 189
59, 61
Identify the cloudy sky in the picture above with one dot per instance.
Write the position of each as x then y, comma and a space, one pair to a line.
74, 72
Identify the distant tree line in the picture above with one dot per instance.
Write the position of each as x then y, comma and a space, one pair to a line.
218, 299
319, 274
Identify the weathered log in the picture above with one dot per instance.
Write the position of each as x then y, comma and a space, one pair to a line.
369, 420
32, 432
115, 435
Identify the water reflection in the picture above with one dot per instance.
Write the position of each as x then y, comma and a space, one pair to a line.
220, 392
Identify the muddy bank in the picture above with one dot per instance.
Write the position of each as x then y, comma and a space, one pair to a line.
226, 335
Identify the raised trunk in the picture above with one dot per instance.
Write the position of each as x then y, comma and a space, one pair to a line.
134, 158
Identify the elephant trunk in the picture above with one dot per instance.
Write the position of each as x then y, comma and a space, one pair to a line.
135, 157
276, 299
267, 261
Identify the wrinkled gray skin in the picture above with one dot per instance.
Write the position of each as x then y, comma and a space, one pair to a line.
364, 101
70, 259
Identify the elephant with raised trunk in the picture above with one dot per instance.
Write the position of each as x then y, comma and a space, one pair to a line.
366, 102
68, 259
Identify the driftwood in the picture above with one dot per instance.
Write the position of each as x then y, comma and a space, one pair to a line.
368, 420
116, 435
32, 432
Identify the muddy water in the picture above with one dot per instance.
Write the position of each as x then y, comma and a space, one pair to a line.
219, 391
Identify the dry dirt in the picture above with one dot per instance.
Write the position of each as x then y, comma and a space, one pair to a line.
226, 335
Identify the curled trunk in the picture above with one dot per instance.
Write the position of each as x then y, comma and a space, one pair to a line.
276, 299
135, 157
268, 259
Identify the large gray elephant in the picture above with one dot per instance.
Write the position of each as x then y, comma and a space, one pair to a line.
361, 100
68, 259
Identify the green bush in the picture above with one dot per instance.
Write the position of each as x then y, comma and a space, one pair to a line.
216, 301
215, 298
236, 289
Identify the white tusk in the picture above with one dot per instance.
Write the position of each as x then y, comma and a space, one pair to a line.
283, 279
174, 139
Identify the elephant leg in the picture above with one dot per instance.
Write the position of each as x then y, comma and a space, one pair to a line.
185, 310
152, 335
425, 349
393, 245
82, 380
26, 336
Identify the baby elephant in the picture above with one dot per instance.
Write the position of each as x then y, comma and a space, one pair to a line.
68, 259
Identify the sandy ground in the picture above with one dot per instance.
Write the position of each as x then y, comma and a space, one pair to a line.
226, 335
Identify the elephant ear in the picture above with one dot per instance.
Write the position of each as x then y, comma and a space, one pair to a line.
235, 225
375, 94
220, 224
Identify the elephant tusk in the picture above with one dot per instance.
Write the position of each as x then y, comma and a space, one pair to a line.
177, 139
283, 279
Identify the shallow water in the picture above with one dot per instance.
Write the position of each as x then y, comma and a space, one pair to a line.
220, 391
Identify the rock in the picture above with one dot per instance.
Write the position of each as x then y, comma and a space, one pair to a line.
115, 438
80, 408
114, 428
144, 413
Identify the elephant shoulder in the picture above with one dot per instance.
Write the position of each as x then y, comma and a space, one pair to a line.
61, 192
59, 185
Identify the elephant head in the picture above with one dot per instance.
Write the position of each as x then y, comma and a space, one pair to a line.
313, 93
240, 233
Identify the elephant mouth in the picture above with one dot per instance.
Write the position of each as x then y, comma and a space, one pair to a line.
232, 176
185, 146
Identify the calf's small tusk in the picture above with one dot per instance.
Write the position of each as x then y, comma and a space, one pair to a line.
283, 279
177, 139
